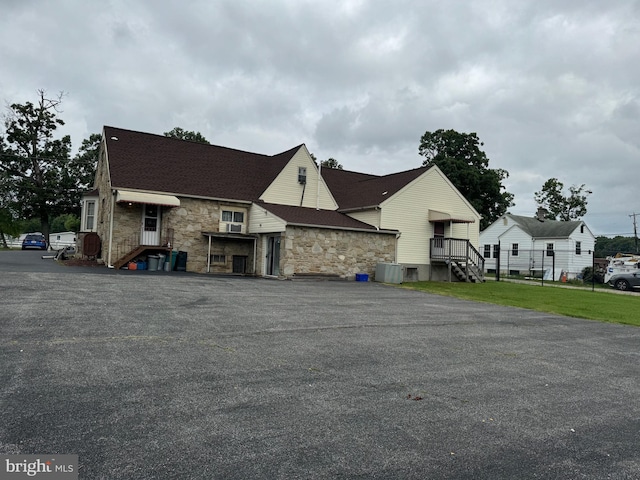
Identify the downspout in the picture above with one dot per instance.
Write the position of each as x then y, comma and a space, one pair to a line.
304, 186
113, 206
209, 256
255, 254
318, 192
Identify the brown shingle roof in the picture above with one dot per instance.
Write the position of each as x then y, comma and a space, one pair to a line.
353, 190
311, 216
156, 163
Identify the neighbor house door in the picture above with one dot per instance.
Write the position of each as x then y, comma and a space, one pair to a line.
150, 225
438, 238
273, 255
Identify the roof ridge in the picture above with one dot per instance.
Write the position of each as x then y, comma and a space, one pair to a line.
191, 142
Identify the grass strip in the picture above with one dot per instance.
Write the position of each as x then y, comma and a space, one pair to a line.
596, 305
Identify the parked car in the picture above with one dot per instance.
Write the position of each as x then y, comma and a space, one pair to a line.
625, 281
34, 240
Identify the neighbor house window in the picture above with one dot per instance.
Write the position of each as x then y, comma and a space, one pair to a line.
218, 259
496, 251
90, 214
487, 251
514, 249
231, 216
578, 248
549, 249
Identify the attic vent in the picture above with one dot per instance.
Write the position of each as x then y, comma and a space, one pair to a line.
302, 175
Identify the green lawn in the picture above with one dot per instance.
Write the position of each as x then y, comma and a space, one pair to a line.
597, 305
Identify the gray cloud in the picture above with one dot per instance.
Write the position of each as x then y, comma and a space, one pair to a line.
551, 88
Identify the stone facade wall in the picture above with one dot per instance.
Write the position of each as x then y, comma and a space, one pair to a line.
341, 252
195, 216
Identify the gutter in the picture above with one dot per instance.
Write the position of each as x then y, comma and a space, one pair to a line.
349, 229
113, 204
200, 197
358, 209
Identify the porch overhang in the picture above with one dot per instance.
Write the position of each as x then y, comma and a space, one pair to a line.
129, 196
230, 236
437, 216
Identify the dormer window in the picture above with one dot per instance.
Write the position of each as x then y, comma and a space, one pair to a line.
302, 175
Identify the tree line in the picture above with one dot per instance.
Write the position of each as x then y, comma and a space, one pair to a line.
39, 179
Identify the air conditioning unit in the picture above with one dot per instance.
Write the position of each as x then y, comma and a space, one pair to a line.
234, 228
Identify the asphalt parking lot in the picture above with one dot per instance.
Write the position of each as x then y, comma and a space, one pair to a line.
162, 376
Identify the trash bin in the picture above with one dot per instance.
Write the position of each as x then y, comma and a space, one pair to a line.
161, 258
362, 277
174, 256
181, 261
153, 262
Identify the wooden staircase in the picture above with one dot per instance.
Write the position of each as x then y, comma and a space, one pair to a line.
463, 260
122, 261
466, 272
140, 250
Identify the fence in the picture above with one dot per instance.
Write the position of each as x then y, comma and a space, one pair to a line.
553, 265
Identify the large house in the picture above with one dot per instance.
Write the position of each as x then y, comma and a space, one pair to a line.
231, 211
535, 245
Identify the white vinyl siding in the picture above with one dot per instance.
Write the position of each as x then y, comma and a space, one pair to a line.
286, 190
261, 221
408, 212
371, 217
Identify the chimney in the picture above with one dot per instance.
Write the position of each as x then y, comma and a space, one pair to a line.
541, 214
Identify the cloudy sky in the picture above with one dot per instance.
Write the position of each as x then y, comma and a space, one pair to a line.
552, 87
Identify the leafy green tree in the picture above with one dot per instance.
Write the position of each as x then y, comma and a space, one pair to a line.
560, 206
460, 158
331, 163
9, 223
67, 222
191, 136
36, 166
86, 161
30, 225
606, 246
9, 226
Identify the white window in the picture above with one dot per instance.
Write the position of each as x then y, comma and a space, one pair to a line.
487, 251
549, 249
302, 175
232, 216
578, 248
514, 249
90, 215
218, 258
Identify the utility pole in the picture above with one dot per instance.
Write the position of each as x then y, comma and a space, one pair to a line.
635, 229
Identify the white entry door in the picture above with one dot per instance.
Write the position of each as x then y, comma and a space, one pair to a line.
150, 225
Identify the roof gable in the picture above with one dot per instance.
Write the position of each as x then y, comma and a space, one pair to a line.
547, 228
156, 163
354, 190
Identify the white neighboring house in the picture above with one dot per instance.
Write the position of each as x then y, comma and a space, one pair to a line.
60, 240
530, 245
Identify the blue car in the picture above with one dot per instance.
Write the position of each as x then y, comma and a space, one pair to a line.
34, 240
